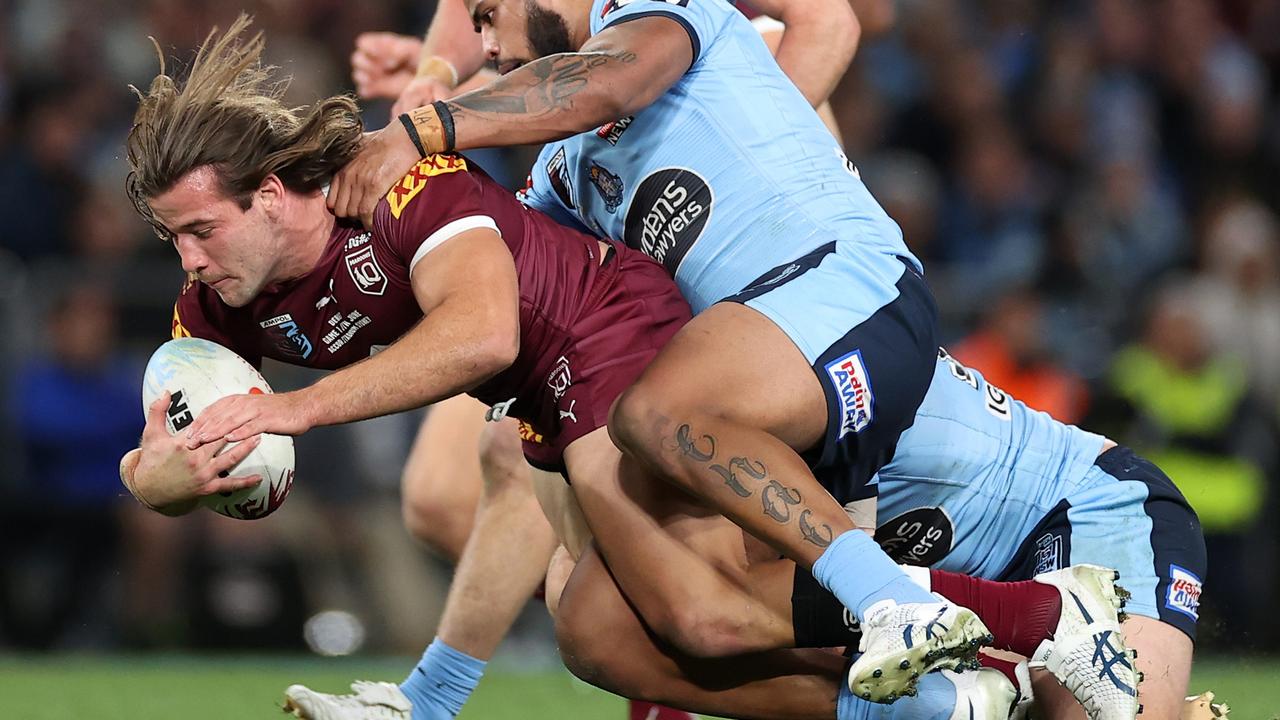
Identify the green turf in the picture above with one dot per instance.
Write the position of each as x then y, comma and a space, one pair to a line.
189, 688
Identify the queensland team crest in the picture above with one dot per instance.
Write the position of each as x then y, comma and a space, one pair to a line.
362, 265
608, 185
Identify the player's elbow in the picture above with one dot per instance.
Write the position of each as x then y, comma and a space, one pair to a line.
497, 351
699, 630
843, 29
496, 343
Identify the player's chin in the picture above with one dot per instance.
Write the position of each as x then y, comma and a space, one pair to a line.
233, 294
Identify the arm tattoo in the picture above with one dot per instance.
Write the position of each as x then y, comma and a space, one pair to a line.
777, 504
777, 500
820, 536
545, 85
689, 447
754, 469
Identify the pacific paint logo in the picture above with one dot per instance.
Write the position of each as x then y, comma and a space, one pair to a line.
1184, 592
853, 388
416, 179
178, 330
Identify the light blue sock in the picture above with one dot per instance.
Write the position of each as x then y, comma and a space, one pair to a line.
441, 683
859, 574
935, 700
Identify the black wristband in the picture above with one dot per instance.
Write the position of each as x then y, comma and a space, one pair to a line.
413, 133
446, 123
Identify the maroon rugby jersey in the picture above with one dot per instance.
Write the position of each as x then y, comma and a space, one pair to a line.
358, 298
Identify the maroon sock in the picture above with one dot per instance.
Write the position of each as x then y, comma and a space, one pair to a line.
1019, 614
639, 710
1007, 667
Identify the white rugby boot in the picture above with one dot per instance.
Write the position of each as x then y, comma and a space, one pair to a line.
983, 695
1087, 652
367, 701
903, 641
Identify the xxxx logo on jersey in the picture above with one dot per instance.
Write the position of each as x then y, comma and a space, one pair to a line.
412, 183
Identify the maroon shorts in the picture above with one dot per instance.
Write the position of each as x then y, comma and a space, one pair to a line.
637, 310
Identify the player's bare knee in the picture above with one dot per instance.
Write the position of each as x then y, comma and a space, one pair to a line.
501, 456
437, 523
639, 417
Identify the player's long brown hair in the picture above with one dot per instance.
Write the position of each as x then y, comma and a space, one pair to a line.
228, 114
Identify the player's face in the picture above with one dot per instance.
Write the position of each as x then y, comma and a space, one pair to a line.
232, 250
515, 32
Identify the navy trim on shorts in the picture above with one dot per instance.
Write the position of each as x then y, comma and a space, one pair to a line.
782, 274
1177, 541
1045, 549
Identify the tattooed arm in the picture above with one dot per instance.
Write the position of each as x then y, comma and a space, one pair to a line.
616, 73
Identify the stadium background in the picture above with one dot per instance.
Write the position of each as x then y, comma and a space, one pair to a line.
1094, 188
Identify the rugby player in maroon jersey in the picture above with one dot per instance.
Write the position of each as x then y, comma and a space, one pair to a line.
458, 287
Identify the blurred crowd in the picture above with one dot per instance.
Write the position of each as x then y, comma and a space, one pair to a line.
1093, 185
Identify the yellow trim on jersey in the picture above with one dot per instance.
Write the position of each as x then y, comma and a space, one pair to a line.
178, 330
527, 433
416, 179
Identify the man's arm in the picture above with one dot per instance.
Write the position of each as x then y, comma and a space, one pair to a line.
616, 73
451, 53
451, 38
468, 291
821, 38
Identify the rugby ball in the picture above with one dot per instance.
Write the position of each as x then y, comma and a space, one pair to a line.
197, 373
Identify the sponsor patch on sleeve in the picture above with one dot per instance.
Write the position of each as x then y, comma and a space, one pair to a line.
1184, 592
853, 389
416, 179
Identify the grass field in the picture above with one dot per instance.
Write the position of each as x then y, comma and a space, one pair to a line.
195, 688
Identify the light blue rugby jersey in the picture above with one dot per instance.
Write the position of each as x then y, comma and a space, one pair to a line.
727, 175
980, 468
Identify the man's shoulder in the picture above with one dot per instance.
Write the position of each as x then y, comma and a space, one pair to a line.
421, 178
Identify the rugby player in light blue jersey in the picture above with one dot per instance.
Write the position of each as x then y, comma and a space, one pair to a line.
985, 486
671, 129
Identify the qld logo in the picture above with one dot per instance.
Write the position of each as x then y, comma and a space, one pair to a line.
1184, 592
363, 267
853, 388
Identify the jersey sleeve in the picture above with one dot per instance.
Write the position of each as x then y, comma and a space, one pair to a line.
197, 315
440, 198
702, 19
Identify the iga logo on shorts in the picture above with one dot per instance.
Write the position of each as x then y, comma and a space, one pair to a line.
853, 388
1184, 592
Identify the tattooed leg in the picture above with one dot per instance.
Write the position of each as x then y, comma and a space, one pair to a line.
728, 432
